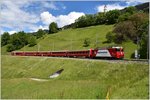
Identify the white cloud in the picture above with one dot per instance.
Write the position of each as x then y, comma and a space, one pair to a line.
11, 32
50, 5
12, 16
47, 18
61, 20
100, 8
43, 27
109, 7
1, 32
15, 15
135, 2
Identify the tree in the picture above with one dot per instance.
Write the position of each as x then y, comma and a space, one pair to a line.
5, 38
32, 41
144, 43
127, 13
81, 22
53, 28
100, 18
124, 17
138, 20
112, 16
143, 50
86, 42
90, 20
124, 31
131, 10
18, 40
132, 28
40, 33
135, 29
10, 48
110, 36
23, 37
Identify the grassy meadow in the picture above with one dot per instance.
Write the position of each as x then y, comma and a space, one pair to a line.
81, 79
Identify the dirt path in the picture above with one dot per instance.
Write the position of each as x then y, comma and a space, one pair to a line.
37, 79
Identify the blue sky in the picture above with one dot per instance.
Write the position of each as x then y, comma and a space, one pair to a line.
31, 15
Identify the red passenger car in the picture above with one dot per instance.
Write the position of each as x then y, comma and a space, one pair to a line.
112, 52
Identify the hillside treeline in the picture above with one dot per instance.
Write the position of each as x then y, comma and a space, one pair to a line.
20, 39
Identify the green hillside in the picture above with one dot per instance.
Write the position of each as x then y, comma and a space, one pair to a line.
80, 78
73, 39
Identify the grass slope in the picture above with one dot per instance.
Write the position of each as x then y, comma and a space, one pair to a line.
72, 39
62, 40
80, 79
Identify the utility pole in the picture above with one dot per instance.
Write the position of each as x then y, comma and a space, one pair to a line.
24, 47
148, 44
71, 40
38, 47
148, 48
96, 42
105, 8
53, 46
137, 51
71, 43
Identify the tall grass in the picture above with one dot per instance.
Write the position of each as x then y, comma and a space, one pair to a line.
84, 79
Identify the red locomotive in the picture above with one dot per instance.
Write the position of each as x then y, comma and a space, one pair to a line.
112, 52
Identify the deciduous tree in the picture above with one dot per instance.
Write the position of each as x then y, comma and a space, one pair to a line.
53, 28
5, 37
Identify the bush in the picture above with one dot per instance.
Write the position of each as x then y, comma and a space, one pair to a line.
10, 48
32, 41
86, 42
40, 33
110, 36
124, 17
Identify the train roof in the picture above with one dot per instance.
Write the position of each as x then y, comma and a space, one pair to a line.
54, 51
117, 47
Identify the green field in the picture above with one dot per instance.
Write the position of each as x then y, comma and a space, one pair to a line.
84, 79
73, 39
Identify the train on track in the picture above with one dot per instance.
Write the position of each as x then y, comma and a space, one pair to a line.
111, 52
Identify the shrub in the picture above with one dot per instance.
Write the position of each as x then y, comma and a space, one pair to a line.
10, 48
86, 42
110, 36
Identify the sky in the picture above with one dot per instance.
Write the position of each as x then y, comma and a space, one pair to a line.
31, 15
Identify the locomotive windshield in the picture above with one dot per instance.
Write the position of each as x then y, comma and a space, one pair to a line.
118, 49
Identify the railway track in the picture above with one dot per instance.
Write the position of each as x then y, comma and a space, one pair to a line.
109, 60
145, 61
